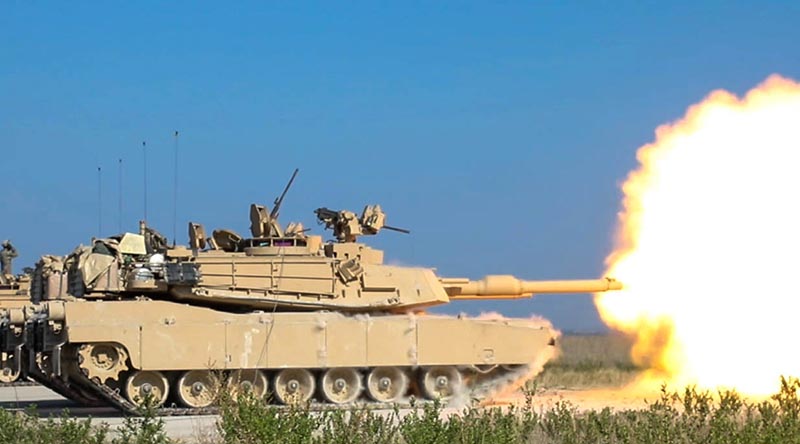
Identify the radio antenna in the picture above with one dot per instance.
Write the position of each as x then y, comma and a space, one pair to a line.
119, 192
175, 196
144, 154
99, 201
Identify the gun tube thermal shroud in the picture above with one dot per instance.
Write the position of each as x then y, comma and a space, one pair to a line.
509, 287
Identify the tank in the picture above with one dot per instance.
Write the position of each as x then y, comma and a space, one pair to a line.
14, 295
281, 314
19, 299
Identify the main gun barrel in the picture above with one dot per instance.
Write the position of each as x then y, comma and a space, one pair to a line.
509, 287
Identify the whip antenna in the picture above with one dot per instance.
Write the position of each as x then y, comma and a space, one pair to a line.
175, 196
99, 201
144, 154
119, 192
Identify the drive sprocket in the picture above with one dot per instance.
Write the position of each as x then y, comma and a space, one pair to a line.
102, 360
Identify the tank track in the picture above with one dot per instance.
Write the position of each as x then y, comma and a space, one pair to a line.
38, 371
114, 398
62, 388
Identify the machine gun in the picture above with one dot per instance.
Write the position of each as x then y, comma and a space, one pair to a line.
266, 225
347, 227
277, 204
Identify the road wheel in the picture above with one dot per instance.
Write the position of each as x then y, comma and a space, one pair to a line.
341, 385
197, 388
387, 384
9, 368
440, 382
294, 386
142, 385
248, 381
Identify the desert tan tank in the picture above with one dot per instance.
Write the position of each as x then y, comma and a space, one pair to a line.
19, 300
14, 295
280, 312
47, 281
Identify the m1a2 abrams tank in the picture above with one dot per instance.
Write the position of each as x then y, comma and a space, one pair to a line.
280, 312
14, 290
20, 297
14, 295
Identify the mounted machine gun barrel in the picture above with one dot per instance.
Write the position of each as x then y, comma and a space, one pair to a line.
347, 226
279, 201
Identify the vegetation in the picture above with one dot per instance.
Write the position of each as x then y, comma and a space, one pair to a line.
688, 417
26, 428
144, 429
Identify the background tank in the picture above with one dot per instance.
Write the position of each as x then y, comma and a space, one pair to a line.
14, 296
18, 296
14, 289
280, 310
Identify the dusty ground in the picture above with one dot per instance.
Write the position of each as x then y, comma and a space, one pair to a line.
584, 399
591, 372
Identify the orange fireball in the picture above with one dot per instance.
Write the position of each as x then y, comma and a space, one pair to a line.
708, 244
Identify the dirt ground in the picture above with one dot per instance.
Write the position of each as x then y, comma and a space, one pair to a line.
591, 372
594, 399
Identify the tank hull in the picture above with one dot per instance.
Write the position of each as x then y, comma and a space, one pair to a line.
162, 335
14, 302
177, 340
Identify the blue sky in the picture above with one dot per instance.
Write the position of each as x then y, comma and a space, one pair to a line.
499, 134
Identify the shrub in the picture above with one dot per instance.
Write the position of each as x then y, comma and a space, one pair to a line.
691, 416
27, 428
146, 428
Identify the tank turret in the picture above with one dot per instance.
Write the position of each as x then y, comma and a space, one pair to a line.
302, 273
